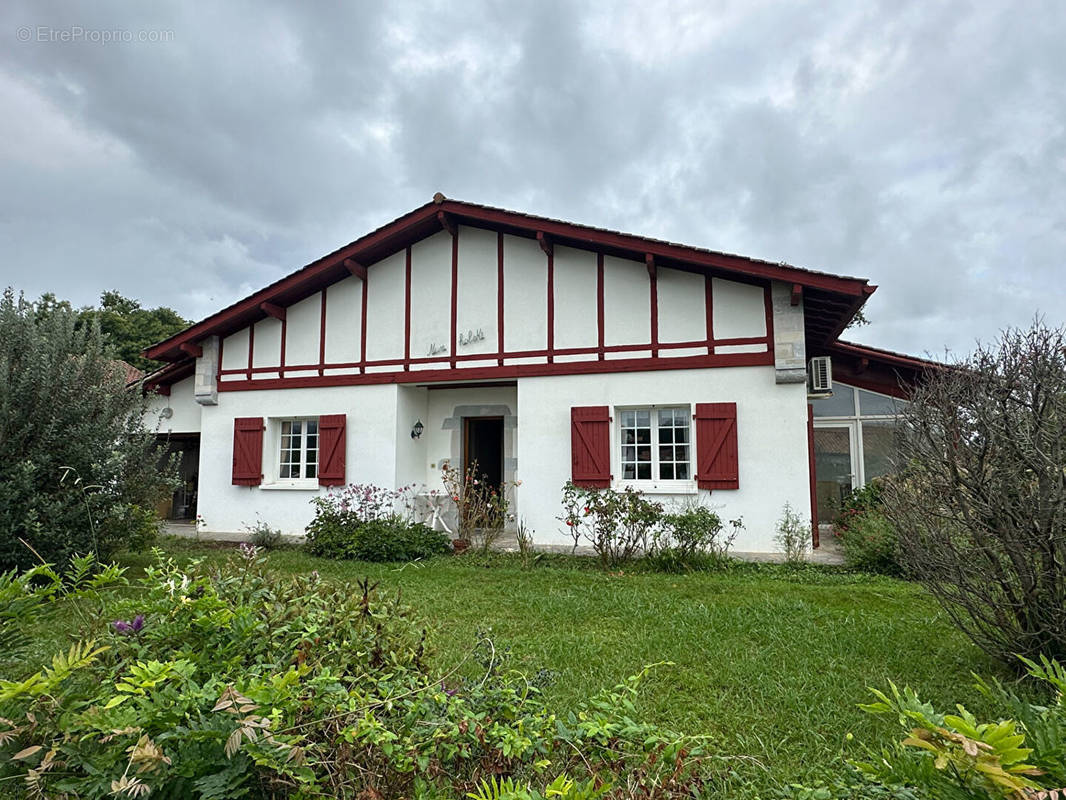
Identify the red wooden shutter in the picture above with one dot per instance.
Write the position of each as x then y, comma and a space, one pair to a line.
590, 446
331, 449
716, 446
247, 451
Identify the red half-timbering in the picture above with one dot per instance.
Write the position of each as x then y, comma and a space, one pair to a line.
831, 301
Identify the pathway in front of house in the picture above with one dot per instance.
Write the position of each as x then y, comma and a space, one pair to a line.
827, 553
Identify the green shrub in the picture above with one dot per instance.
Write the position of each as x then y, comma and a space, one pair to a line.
364, 522
870, 544
793, 536
263, 536
78, 467
692, 538
226, 682
396, 540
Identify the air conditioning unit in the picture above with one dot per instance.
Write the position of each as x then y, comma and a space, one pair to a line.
820, 376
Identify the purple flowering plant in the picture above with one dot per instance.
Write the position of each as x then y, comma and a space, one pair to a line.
131, 628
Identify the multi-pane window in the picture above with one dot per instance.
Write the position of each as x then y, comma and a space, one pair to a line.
656, 444
298, 457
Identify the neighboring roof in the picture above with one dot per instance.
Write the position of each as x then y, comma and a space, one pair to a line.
872, 368
170, 373
130, 372
830, 301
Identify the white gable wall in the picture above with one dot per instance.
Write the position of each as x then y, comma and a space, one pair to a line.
185, 411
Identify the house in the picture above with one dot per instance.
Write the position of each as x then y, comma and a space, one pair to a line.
544, 351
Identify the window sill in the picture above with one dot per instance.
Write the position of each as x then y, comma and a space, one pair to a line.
654, 487
290, 487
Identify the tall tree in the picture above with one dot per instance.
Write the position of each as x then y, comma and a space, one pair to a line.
78, 469
128, 328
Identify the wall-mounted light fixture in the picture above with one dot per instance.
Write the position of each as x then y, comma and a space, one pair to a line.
416, 431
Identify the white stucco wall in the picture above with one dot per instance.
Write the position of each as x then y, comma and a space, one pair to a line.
525, 295
739, 309
431, 297
371, 451
771, 438
574, 281
478, 279
344, 317
627, 302
185, 411
384, 312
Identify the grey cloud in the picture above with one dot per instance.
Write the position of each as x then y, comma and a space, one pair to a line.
921, 145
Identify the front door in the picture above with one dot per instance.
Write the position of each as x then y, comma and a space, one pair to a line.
834, 468
483, 449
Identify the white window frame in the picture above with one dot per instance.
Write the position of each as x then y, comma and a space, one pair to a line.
272, 471
653, 485
854, 421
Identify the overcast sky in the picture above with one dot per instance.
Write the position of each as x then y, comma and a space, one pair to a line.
921, 145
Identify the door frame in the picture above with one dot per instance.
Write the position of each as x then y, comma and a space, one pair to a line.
464, 454
857, 477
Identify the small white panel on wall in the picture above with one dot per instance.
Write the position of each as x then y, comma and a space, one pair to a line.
525, 295
303, 329
627, 301
682, 306
344, 316
235, 350
739, 309
267, 349
385, 308
476, 312
575, 298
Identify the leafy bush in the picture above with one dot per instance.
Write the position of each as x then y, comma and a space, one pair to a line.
793, 536
226, 682
693, 537
619, 525
27, 598
871, 544
957, 757
263, 536
361, 523
78, 468
979, 507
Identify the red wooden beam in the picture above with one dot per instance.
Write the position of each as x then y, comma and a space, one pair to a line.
277, 312
163, 390
864, 363
193, 350
447, 223
357, 269
545, 243
797, 293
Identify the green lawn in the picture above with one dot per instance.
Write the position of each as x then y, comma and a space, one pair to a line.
769, 663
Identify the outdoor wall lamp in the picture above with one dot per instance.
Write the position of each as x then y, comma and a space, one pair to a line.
416, 431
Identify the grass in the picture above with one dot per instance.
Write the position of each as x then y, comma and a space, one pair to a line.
769, 662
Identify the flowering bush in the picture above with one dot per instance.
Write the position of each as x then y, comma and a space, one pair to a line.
481, 507
225, 682
364, 522
619, 525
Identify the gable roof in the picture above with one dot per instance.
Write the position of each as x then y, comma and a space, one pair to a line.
830, 301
